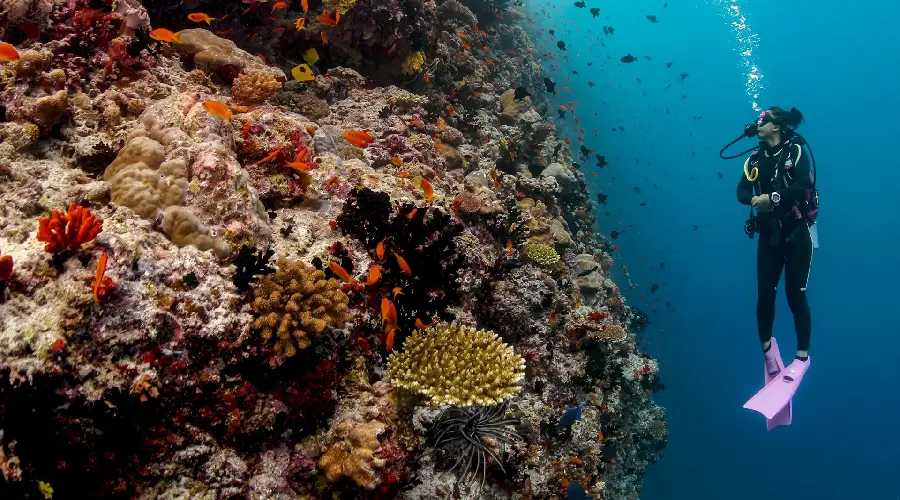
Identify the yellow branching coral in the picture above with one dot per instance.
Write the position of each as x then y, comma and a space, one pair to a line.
352, 453
457, 365
540, 254
295, 303
413, 63
254, 87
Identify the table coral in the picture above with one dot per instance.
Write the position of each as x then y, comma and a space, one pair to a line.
457, 365
297, 303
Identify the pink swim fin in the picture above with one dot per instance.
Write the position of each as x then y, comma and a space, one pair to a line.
776, 395
784, 416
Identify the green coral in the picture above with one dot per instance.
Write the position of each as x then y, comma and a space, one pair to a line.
540, 254
658, 431
457, 365
413, 63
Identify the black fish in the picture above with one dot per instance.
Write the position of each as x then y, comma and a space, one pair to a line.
601, 198
606, 30
612, 31
577, 166
636, 189
521, 93
683, 97
552, 32
590, 63
556, 149
614, 235
642, 204
574, 72
590, 83
587, 271
682, 76
601, 161
621, 128
654, 287
653, 19
562, 114
561, 44
580, 5
662, 265
628, 59
668, 64
720, 175
639, 81
585, 151
695, 227
595, 11
550, 84
648, 58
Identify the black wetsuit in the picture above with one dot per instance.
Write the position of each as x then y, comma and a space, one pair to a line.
785, 241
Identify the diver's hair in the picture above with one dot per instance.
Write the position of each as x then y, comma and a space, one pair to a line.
786, 119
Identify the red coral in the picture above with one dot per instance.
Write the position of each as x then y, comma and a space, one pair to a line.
6, 267
68, 231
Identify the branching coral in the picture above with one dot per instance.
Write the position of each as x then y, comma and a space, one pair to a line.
457, 365
352, 453
413, 63
254, 87
68, 231
296, 303
542, 255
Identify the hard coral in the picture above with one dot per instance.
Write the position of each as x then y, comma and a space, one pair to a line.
542, 255
413, 63
352, 453
68, 231
295, 303
457, 365
214, 51
142, 181
254, 87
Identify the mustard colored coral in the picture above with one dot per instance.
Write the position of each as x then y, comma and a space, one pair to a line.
540, 254
457, 365
413, 63
352, 453
296, 303
341, 6
254, 87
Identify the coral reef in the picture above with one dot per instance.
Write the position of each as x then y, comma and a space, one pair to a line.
318, 290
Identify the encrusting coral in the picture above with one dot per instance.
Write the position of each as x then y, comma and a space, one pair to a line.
352, 453
214, 51
296, 303
540, 254
457, 365
254, 87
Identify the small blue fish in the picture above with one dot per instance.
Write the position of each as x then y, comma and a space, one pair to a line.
576, 492
571, 416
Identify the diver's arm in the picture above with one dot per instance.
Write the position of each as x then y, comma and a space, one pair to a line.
802, 181
745, 191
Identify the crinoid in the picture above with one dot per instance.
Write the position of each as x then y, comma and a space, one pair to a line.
474, 433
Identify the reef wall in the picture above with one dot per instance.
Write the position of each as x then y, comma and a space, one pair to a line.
218, 280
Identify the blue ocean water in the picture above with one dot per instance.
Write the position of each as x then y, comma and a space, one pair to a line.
835, 61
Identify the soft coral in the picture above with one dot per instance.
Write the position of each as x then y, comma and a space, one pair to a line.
68, 231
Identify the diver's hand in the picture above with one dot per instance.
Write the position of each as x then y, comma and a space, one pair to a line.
762, 203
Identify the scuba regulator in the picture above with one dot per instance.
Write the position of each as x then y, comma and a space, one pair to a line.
751, 225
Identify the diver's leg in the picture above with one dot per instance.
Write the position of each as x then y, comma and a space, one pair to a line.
769, 263
798, 257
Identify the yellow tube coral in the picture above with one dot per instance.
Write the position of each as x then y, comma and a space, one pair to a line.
413, 63
457, 365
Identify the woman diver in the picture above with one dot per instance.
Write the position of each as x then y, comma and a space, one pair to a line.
778, 183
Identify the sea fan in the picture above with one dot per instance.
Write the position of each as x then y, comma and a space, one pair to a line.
470, 432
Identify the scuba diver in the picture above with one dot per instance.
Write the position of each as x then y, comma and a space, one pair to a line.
779, 184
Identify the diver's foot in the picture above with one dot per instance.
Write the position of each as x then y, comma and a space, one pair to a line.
772, 365
801, 358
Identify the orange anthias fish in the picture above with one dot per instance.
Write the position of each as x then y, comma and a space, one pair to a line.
225, 32
494, 177
326, 19
389, 341
403, 265
451, 110
305, 5
8, 53
279, 5
509, 248
374, 275
379, 251
271, 155
301, 166
325, 38
340, 272
161, 34
421, 325
462, 35
397, 291
576, 460
218, 110
102, 284
427, 189
413, 213
396, 161
388, 312
358, 138
441, 124
199, 17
